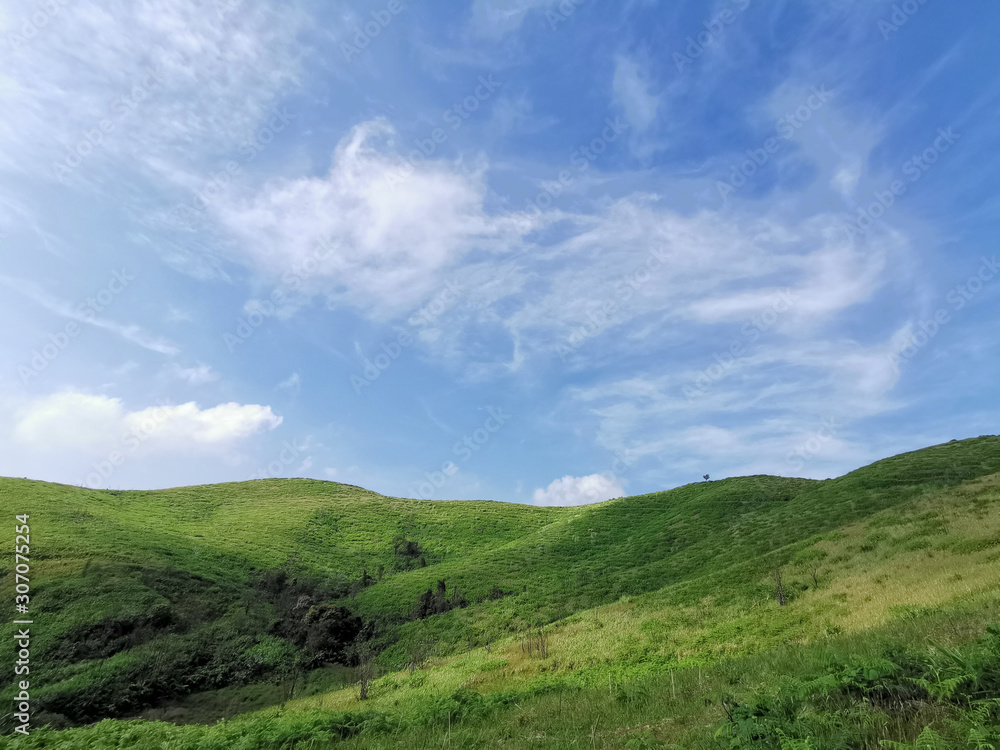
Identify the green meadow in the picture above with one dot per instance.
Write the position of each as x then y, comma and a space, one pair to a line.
751, 612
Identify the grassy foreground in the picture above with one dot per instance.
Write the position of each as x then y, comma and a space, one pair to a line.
649, 621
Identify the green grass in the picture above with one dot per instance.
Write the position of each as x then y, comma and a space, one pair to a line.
625, 593
685, 709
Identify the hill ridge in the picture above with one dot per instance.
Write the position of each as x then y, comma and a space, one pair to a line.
214, 587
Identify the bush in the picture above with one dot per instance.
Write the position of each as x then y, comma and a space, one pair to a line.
828, 711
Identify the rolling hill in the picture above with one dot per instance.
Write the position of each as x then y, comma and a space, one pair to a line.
711, 615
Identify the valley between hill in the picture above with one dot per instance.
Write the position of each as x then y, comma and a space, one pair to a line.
752, 612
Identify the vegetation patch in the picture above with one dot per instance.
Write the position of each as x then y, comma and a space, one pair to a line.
747, 612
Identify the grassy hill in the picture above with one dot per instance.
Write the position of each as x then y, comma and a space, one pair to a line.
648, 621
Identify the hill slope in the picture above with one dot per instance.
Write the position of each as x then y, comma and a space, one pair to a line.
142, 598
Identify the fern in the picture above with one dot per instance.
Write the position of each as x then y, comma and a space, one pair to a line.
975, 720
791, 744
941, 690
928, 740
949, 661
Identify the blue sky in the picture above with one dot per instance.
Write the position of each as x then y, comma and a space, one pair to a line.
521, 250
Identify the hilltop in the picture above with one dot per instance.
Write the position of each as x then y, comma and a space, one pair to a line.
199, 603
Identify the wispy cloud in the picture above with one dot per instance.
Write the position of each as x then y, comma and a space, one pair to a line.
143, 84
498, 18
687, 293
376, 233
292, 384
197, 375
632, 93
82, 313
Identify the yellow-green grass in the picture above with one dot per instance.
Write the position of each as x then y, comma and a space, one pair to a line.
622, 591
264, 523
926, 555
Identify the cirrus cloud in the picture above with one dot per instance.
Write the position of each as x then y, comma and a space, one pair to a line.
377, 232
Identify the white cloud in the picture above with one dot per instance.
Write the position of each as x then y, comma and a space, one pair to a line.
216, 78
72, 419
497, 18
515, 113
834, 276
391, 231
292, 384
82, 313
847, 177
631, 93
69, 419
198, 375
179, 315
656, 265
751, 417
836, 141
570, 490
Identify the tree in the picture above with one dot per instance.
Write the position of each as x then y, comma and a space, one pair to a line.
535, 645
441, 598
497, 593
457, 599
286, 677
810, 560
329, 633
425, 605
706, 477
437, 602
408, 553
419, 652
366, 673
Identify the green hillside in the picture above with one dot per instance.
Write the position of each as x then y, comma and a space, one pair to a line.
649, 621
